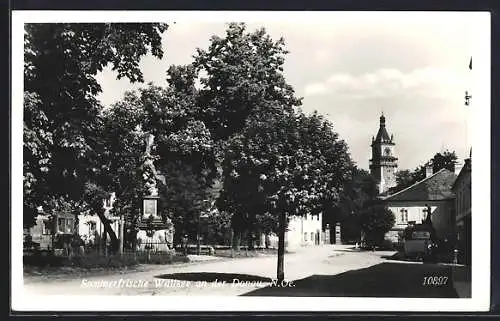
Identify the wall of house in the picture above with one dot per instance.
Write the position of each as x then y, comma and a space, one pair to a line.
462, 190
463, 197
442, 216
40, 233
90, 228
302, 231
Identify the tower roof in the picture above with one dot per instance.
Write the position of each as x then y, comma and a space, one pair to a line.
382, 135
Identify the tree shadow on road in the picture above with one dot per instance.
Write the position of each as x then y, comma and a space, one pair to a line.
398, 256
214, 276
382, 280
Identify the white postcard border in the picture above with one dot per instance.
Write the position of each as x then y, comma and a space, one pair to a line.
480, 108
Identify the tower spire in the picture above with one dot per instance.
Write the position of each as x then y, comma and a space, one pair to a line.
383, 163
382, 119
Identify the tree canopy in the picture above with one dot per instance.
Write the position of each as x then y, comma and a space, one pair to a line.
239, 136
376, 221
62, 116
243, 75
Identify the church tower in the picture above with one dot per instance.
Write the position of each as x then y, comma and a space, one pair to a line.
384, 162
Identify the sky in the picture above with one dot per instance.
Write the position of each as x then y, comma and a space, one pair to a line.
413, 67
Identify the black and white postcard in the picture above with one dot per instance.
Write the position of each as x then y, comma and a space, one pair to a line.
250, 161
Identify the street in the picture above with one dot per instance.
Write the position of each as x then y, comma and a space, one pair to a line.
328, 270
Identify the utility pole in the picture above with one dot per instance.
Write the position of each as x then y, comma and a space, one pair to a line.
281, 247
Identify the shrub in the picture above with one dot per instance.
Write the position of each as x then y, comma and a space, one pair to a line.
96, 261
376, 221
387, 245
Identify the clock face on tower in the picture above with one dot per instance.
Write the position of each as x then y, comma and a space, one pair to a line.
387, 151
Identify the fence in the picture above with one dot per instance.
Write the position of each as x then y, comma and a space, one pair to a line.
150, 253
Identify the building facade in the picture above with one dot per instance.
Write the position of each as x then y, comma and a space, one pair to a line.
462, 189
48, 229
302, 231
410, 205
384, 163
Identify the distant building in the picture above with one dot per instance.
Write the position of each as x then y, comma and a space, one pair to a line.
302, 231
90, 227
64, 222
410, 205
462, 190
383, 163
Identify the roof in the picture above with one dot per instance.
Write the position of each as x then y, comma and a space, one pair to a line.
436, 187
382, 135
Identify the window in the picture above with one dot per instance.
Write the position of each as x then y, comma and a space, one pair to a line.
305, 236
312, 236
92, 227
404, 215
66, 225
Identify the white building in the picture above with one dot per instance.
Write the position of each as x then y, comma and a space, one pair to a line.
302, 231
410, 204
89, 226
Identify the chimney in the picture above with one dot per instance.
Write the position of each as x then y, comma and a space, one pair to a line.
428, 170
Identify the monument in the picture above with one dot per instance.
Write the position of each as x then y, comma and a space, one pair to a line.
155, 231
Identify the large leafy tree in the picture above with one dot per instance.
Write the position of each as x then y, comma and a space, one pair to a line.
243, 75
120, 150
277, 161
61, 113
404, 178
293, 164
359, 192
446, 159
183, 147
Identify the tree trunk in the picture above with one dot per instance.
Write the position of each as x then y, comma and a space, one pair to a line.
108, 230
281, 247
232, 242
120, 248
246, 238
251, 240
236, 240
